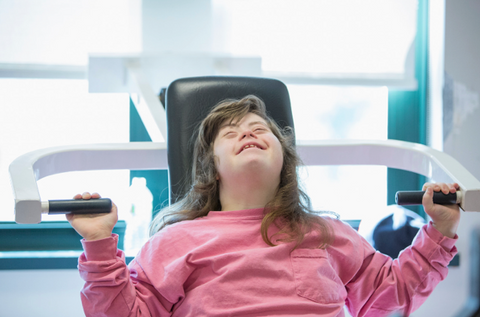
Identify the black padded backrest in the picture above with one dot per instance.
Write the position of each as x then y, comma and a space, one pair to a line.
189, 100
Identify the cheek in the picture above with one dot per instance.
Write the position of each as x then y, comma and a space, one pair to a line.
219, 155
280, 161
279, 155
216, 159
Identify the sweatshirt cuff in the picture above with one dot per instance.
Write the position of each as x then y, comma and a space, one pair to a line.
100, 250
448, 244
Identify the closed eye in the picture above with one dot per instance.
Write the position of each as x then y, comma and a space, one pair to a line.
230, 133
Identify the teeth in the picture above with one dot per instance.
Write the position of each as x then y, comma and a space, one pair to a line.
247, 146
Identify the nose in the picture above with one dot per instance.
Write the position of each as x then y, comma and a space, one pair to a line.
247, 133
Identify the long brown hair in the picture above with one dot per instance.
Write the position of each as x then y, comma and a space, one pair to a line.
290, 209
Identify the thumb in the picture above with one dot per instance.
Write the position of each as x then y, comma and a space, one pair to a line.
427, 200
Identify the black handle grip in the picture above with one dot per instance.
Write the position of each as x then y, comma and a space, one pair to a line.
415, 198
79, 206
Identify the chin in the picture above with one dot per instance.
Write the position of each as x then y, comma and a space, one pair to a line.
261, 168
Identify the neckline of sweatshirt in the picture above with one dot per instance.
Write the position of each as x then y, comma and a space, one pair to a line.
245, 214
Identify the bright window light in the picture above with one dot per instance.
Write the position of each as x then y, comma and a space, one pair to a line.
41, 113
320, 36
337, 40
65, 32
333, 112
339, 112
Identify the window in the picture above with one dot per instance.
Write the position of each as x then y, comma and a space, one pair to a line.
350, 52
59, 32
53, 39
337, 59
41, 113
342, 112
315, 39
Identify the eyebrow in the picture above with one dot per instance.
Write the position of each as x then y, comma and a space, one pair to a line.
236, 125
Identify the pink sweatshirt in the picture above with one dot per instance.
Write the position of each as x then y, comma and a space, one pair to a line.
219, 265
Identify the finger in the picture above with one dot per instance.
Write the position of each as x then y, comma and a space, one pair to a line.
435, 186
451, 188
96, 195
445, 188
427, 200
77, 196
86, 195
426, 185
114, 208
454, 187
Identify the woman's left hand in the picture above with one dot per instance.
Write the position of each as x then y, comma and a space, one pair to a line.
445, 218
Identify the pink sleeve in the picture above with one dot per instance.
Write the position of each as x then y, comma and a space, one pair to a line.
109, 290
383, 285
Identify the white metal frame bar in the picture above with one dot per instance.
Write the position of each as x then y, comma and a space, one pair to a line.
26, 170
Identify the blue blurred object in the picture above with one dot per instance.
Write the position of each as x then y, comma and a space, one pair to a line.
393, 231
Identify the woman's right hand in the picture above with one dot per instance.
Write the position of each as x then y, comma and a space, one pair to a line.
93, 226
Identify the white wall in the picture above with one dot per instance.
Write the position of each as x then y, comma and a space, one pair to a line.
164, 30
462, 65
40, 293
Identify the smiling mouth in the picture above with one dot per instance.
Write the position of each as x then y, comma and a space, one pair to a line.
249, 146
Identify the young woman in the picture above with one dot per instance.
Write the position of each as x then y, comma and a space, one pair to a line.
243, 242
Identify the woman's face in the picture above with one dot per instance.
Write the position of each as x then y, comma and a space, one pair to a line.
247, 145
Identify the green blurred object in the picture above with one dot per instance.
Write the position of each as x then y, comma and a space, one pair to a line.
407, 120
46, 236
157, 180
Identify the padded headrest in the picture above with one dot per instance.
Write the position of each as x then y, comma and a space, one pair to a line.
189, 100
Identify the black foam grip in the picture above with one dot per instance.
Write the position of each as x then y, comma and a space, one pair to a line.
415, 198
80, 206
